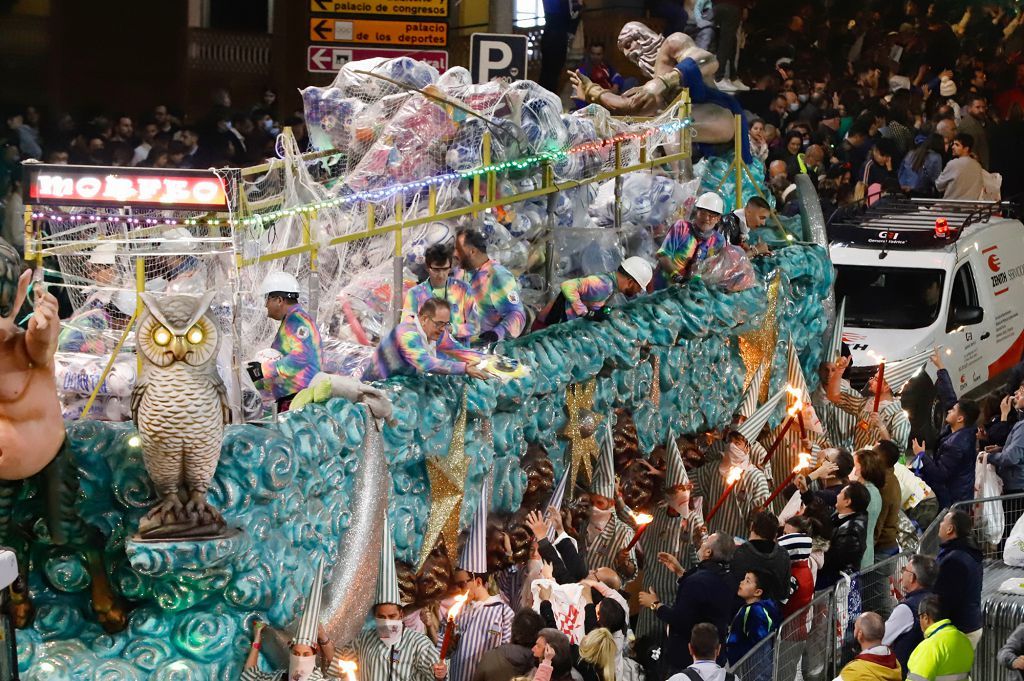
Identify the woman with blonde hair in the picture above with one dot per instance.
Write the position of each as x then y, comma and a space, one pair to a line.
598, 656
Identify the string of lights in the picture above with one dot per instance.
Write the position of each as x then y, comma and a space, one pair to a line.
371, 195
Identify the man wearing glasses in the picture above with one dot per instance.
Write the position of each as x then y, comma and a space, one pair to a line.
440, 284
424, 345
903, 629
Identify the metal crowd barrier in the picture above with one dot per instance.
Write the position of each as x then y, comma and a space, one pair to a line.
814, 643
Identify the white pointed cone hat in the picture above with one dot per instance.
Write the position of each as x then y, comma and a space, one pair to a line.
556, 499
473, 558
751, 428
753, 392
835, 345
604, 473
898, 374
387, 576
306, 633
675, 471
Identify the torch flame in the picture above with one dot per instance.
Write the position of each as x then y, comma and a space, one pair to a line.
735, 474
804, 462
456, 608
348, 668
798, 406
642, 518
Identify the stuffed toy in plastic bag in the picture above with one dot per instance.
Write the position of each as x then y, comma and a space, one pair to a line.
990, 519
1013, 552
729, 270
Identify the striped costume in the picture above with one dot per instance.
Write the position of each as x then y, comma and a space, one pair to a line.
601, 552
893, 417
406, 351
510, 585
298, 341
495, 303
252, 674
455, 292
840, 426
670, 533
748, 495
411, 660
481, 627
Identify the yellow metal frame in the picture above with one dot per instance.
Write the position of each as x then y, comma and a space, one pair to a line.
34, 250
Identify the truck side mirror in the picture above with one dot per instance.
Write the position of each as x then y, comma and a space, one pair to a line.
967, 315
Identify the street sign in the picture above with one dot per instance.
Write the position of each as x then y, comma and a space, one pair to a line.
330, 59
435, 9
410, 33
497, 55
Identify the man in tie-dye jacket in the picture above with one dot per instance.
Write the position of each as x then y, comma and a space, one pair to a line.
422, 345
586, 295
496, 309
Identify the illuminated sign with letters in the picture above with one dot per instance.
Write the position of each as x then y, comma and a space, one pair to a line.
59, 185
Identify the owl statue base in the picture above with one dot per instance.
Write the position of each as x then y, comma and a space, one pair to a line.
179, 518
167, 559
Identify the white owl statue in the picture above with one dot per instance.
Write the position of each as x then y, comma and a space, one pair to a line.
180, 407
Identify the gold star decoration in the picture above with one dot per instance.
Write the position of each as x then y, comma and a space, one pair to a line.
758, 346
655, 395
447, 477
579, 403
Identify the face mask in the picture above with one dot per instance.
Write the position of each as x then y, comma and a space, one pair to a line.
802, 98
734, 456
268, 124
794, 106
390, 631
300, 668
533, 567
599, 518
680, 503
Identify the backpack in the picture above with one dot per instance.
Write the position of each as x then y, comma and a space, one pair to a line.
693, 675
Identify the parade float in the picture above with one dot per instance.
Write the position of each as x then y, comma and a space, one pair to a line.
404, 157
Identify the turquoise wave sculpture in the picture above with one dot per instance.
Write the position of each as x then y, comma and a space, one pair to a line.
287, 485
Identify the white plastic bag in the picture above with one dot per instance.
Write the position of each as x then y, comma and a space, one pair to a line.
1013, 552
987, 483
567, 605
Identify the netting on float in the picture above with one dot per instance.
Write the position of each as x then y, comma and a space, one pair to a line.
100, 259
404, 158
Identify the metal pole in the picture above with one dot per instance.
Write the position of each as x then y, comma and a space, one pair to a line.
738, 153
396, 284
618, 186
499, 19
549, 246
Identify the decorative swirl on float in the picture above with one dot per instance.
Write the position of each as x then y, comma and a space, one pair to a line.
149, 654
67, 572
205, 636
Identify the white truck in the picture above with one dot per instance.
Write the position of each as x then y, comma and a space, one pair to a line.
923, 273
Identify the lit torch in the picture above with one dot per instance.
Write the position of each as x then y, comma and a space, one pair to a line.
787, 423
878, 382
643, 520
734, 476
348, 668
803, 464
453, 612
797, 409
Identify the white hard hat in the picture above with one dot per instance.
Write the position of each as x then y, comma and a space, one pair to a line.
103, 254
639, 269
175, 239
279, 281
712, 202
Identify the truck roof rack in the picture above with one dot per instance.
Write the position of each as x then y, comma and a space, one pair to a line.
898, 222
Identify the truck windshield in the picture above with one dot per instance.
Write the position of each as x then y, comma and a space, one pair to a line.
889, 297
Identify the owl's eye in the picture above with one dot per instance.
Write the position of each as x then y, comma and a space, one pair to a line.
195, 335
162, 337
